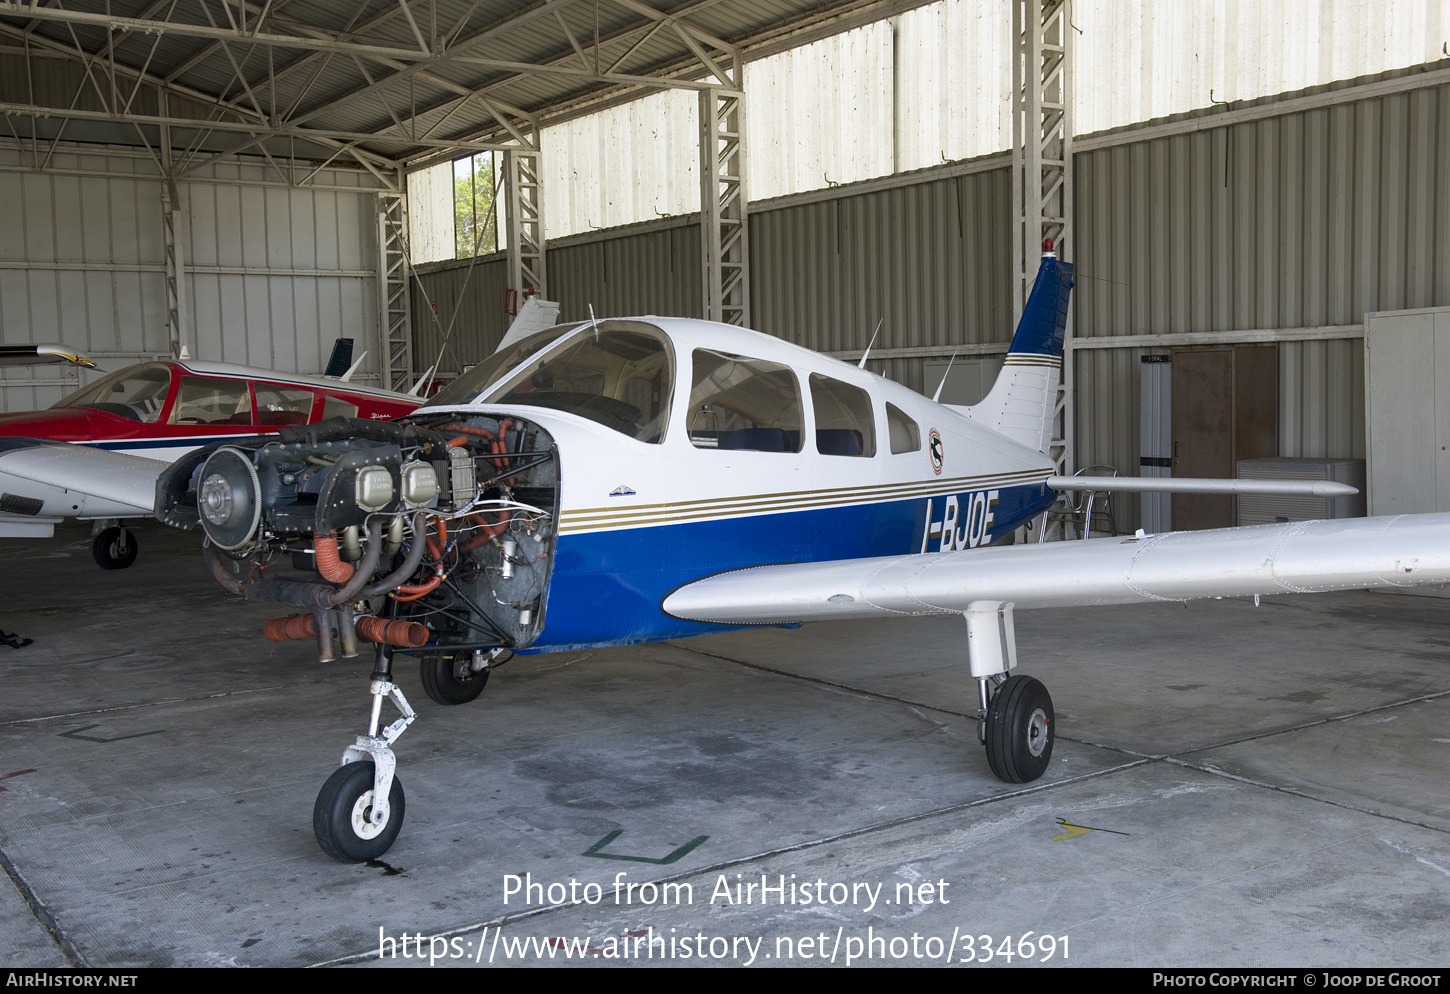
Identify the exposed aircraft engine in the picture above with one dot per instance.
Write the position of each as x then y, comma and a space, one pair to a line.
432, 536
432, 533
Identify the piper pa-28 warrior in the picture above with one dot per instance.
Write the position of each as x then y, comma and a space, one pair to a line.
614, 482
152, 412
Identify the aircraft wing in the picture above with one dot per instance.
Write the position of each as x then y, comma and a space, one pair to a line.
43, 481
44, 352
1303, 557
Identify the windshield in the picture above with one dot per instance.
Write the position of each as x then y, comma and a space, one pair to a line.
471, 384
137, 393
620, 375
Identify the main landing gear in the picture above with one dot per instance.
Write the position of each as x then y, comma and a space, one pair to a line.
459, 677
1016, 720
359, 810
114, 547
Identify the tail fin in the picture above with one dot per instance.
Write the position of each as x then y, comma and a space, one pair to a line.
1021, 404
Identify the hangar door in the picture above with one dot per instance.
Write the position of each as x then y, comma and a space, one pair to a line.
1225, 404
1407, 410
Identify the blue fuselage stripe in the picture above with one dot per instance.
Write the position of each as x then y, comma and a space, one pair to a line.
607, 586
190, 441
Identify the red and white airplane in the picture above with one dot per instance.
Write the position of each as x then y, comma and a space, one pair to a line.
154, 411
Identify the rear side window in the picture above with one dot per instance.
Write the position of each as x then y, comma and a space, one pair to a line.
844, 425
334, 407
741, 403
279, 405
206, 401
905, 435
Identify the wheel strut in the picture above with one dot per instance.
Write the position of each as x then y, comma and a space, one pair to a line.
356, 828
1015, 718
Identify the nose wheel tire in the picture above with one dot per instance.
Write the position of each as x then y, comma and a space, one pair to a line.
1020, 726
341, 818
449, 679
114, 548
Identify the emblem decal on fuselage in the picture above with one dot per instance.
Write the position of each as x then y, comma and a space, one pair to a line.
622, 491
934, 446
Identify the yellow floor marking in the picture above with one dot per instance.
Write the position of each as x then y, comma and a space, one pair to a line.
1073, 831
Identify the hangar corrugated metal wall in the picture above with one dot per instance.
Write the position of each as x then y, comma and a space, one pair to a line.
274, 274
932, 84
653, 268
930, 259
462, 307
1305, 220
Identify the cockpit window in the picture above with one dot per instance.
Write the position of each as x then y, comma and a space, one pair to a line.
619, 374
468, 387
741, 403
137, 394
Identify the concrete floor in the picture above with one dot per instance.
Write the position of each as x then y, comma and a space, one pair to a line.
1268, 784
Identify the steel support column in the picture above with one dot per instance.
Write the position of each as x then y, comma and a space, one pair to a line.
394, 325
1042, 170
724, 237
524, 180
172, 225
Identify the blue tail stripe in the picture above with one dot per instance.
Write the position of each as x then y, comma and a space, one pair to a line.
1044, 319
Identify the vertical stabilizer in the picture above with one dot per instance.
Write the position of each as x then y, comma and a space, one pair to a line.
1023, 400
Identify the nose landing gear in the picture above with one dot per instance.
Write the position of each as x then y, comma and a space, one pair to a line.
342, 819
359, 810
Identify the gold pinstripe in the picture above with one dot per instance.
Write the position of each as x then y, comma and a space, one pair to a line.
600, 518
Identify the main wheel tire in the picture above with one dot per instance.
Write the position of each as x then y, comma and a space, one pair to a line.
1020, 724
340, 818
449, 680
114, 548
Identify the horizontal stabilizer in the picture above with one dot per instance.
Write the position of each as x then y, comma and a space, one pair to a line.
1192, 485
1303, 557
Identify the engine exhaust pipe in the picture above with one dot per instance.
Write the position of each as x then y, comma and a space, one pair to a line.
409, 634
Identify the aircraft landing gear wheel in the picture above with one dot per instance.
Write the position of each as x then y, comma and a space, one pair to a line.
449, 679
114, 548
340, 819
1020, 730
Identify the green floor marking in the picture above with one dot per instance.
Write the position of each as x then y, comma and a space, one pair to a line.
678, 854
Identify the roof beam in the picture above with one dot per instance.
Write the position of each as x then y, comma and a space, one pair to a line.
242, 127
465, 93
423, 45
206, 51
81, 55
113, 22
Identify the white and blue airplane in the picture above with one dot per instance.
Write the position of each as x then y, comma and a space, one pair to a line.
620, 481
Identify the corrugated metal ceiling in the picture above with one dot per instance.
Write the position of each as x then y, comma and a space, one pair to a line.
394, 78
